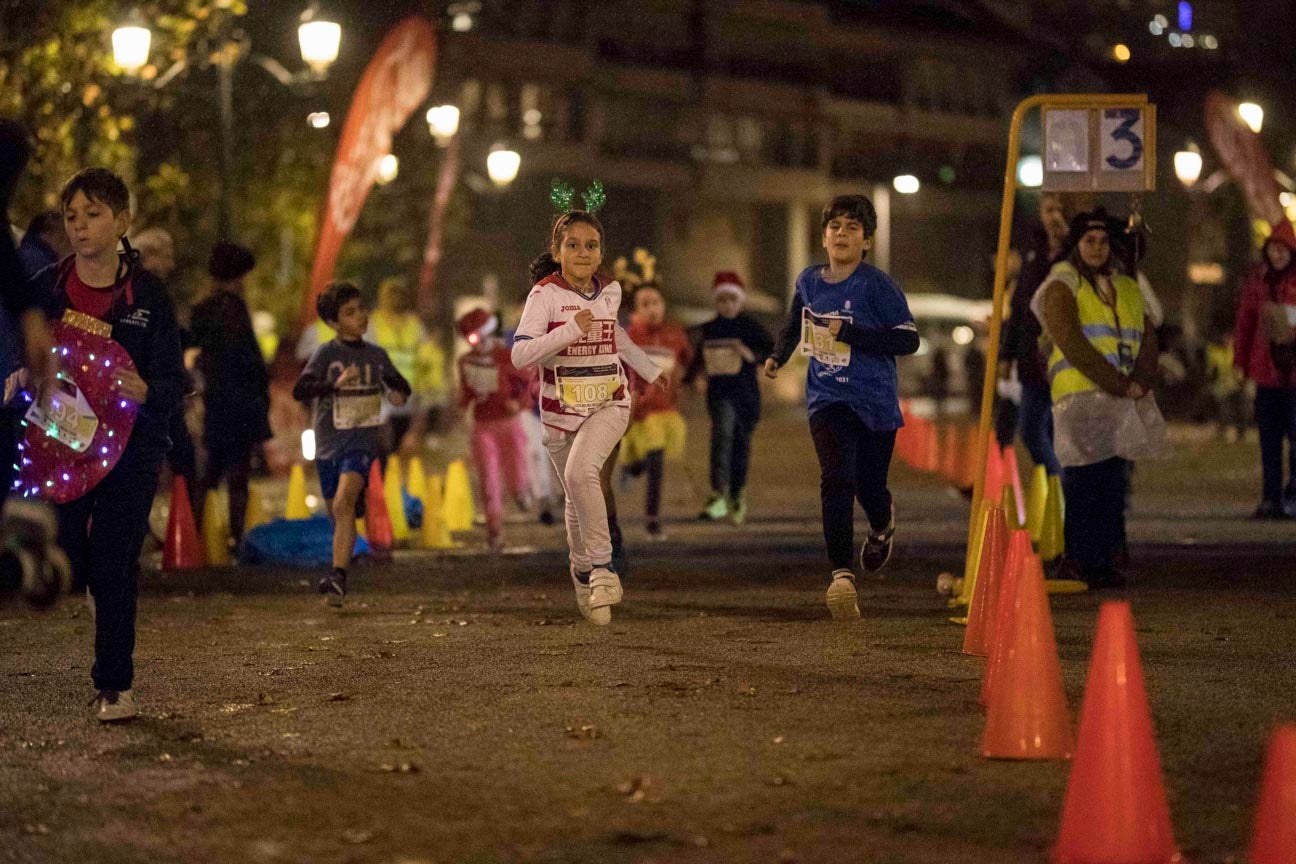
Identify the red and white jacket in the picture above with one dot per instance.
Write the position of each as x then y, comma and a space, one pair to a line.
548, 336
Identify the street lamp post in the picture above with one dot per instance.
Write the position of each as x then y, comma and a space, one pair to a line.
318, 39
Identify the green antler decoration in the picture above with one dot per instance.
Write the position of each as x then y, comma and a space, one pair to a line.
561, 194
594, 197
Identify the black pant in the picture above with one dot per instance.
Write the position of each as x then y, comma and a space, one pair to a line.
1275, 415
1096, 498
233, 463
102, 533
731, 434
8, 451
853, 464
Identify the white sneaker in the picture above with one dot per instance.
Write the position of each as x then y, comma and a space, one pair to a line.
602, 616
605, 588
114, 706
842, 598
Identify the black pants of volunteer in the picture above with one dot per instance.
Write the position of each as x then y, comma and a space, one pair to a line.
731, 434
854, 461
230, 461
102, 533
1275, 417
1096, 499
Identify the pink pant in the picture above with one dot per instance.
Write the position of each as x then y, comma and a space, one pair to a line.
499, 447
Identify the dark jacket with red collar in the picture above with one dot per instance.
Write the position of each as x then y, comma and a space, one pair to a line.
143, 322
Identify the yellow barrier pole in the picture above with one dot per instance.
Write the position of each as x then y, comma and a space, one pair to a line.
1052, 100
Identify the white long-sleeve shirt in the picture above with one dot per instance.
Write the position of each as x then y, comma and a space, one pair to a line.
582, 372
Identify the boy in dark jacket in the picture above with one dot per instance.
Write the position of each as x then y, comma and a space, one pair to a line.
103, 530
731, 345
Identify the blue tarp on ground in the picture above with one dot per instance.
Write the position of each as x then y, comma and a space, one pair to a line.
294, 543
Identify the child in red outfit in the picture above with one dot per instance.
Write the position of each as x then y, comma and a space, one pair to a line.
497, 392
657, 429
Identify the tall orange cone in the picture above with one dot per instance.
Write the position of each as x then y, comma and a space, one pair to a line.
994, 479
1003, 600
1274, 840
1028, 716
378, 526
994, 553
1013, 480
181, 551
1115, 807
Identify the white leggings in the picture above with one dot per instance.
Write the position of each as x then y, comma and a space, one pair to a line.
579, 456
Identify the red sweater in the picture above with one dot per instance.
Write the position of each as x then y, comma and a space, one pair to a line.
489, 382
1251, 336
668, 344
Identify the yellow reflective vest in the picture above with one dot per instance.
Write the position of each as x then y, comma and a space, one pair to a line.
1115, 331
415, 356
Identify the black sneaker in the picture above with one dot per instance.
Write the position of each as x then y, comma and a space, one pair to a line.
877, 548
1270, 510
333, 587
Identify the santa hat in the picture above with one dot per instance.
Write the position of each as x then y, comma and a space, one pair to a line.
728, 282
1282, 233
476, 324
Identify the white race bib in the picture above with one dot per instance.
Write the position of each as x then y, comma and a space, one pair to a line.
585, 389
357, 407
722, 357
819, 343
482, 380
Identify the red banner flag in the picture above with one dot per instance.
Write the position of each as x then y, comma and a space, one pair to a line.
1244, 156
396, 82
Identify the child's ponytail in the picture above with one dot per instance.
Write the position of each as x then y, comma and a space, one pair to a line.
543, 267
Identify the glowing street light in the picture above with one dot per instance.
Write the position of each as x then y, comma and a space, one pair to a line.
906, 184
502, 165
131, 45
443, 123
1252, 115
318, 119
388, 168
319, 41
1188, 164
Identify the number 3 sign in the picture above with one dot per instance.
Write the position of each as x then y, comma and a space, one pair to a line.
1100, 149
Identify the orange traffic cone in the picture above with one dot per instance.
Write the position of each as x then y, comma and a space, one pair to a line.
1028, 716
1004, 596
181, 550
1115, 805
1013, 480
1274, 841
994, 552
994, 479
930, 448
378, 526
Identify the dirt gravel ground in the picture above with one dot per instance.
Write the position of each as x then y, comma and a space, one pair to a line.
458, 709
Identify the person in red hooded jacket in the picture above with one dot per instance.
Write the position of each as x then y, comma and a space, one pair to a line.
657, 428
497, 393
1264, 340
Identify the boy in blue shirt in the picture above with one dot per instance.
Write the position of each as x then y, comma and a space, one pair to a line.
853, 321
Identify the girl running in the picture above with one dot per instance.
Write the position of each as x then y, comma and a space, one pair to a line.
569, 329
657, 431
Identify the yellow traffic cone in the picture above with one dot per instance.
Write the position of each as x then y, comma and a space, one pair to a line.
255, 514
1052, 535
216, 529
395, 501
416, 479
296, 508
458, 497
435, 533
361, 527
1036, 501
964, 596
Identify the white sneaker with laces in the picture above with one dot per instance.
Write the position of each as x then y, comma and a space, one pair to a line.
605, 588
602, 616
114, 706
843, 601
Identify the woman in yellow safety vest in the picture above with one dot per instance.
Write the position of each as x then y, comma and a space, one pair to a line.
1101, 369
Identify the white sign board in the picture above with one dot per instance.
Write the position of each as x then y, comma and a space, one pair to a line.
1100, 149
